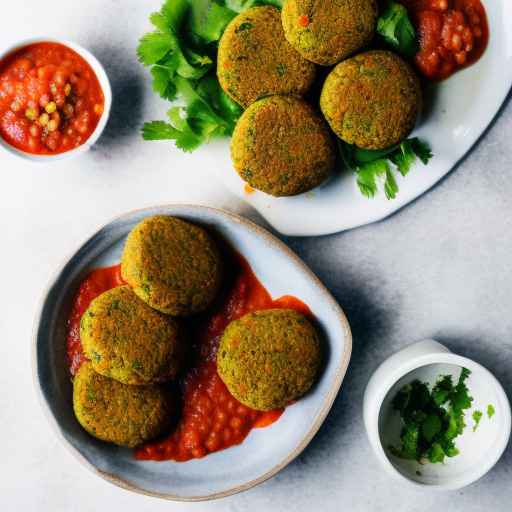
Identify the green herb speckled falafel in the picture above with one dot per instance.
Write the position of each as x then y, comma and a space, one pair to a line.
281, 146
372, 100
255, 59
117, 413
269, 358
172, 265
328, 31
128, 341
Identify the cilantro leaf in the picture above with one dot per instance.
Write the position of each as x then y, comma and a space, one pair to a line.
373, 166
431, 426
477, 416
490, 411
208, 20
153, 47
395, 28
158, 130
367, 175
162, 83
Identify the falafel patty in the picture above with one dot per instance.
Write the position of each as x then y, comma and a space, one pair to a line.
329, 31
256, 60
117, 413
128, 341
372, 100
269, 358
172, 265
281, 146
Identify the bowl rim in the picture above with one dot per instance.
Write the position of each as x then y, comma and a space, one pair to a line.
106, 88
451, 358
273, 241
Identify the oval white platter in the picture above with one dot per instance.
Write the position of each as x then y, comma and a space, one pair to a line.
457, 113
265, 451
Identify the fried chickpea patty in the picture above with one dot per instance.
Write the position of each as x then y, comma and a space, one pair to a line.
117, 413
172, 265
281, 146
372, 100
269, 358
128, 341
328, 31
256, 60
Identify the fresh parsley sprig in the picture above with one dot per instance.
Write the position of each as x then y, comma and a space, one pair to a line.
372, 166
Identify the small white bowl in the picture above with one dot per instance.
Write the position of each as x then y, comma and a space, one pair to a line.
480, 450
105, 86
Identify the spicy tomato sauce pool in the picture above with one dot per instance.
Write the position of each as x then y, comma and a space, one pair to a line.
211, 419
453, 34
50, 99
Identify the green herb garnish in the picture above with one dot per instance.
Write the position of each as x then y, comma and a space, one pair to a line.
372, 165
490, 411
396, 29
432, 419
477, 416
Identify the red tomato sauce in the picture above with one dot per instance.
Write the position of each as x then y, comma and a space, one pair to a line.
50, 99
211, 419
453, 34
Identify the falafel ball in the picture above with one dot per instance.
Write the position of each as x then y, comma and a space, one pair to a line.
256, 60
281, 146
331, 30
372, 100
172, 265
269, 358
128, 341
117, 413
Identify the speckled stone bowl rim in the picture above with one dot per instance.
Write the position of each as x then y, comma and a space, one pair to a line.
320, 417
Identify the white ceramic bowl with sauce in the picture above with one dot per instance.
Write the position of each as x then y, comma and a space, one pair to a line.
480, 450
265, 452
104, 81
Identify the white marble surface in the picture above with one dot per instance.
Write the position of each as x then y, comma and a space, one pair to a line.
441, 267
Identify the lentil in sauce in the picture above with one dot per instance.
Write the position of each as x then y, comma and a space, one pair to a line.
50, 99
453, 34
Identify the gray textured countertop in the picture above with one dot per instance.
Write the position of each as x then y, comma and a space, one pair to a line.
439, 268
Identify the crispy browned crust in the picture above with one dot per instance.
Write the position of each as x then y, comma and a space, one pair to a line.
172, 265
255, 59
281, 146
372, 100
128, 341
269, 358
117, 413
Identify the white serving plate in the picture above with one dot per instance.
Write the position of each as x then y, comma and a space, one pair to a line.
265, 451
458, 112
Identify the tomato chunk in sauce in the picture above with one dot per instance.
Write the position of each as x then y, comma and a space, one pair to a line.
211, 418
50, 99
453, 34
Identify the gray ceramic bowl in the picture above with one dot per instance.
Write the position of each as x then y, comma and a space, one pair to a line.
265, 451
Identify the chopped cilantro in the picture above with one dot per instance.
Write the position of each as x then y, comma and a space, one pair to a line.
395, 28
490, 411
477, 416
432, 419
371, 166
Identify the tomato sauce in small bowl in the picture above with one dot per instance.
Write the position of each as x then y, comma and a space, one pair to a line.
55, 99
